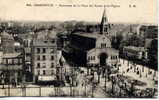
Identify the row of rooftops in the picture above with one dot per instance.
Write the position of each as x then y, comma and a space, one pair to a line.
44, 42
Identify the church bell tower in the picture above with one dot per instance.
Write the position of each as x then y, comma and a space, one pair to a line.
104, 24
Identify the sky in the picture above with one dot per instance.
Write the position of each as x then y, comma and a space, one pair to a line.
144, 12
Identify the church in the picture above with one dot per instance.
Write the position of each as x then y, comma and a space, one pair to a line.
94, 49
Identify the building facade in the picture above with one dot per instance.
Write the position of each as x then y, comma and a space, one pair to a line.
11, 64
135, 52
44, 59
12, 68
94, 48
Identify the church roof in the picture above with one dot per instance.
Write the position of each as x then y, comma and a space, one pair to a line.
89, 35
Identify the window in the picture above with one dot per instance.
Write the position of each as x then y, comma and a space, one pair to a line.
52, 50
38, 65
105, 45
52, 65
9, 61
105, 29
16, 61
38, 50
38, 72
52, 57
4, 61
20, 60
44, 72
44, 65
44, 57
93, 57
101, 45
52, 72
88, 58
44, 50
13, 62
38, 57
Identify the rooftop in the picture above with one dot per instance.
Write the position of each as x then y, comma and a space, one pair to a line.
44, 42
46, 34
89, 35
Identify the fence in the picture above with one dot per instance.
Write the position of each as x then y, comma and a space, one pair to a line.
45, 91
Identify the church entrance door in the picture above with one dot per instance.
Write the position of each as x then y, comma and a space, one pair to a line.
103, 57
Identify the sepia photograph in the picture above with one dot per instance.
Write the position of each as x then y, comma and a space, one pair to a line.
78, 50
